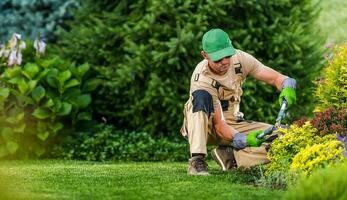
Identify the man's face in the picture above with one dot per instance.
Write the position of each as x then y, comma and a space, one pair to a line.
219, 67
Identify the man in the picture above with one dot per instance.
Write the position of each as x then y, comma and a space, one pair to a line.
212, 115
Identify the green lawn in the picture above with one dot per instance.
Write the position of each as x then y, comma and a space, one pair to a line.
88, 180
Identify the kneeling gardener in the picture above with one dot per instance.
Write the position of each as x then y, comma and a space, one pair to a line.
212, 115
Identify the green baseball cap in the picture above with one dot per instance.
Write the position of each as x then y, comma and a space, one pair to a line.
217, 44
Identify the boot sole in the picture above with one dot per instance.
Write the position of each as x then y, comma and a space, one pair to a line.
218, 159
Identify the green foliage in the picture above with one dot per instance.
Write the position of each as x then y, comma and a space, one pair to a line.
332, 90
38, 100
33, 18
290, 142
147, 50
329, 183
275, 180
104, 143
318, 156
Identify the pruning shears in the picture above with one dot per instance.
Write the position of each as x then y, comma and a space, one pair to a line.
279, 118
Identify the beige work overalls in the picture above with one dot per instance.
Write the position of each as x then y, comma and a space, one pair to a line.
226, 93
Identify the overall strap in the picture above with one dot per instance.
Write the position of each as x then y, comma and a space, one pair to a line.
206, 79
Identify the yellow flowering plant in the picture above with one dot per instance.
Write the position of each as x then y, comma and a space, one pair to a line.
318, 156
290, 142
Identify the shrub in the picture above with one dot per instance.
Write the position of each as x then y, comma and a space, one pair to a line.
289, 144
39, 99
331, 91
147, 50
328, 121
105, 143
329, 183
331, 121
318, 156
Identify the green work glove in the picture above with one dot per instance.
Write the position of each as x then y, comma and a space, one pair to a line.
242, 141
288, 91
252, 139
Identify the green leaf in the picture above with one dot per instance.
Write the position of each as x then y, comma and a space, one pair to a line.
52, 78
72, 93
43, 135
56, 127
42, 74
32, 84
65, 109
4, 93
15, 80
48, 103
91, 84
12, 146
84, 116
64, 76
22, 86
71, 83
82, 101
30, 70
22, 98
41, 113
38, 93
79, 71
12, 72
57, 105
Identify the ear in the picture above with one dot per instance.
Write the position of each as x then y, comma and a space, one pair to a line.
204, 55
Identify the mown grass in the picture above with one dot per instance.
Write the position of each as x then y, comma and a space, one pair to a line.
88, 180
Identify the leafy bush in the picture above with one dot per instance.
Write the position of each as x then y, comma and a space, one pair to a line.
290, 142
329, 183
331, 91
38, 100
147, 50
318, 156
105, 143
33, 18
328, 121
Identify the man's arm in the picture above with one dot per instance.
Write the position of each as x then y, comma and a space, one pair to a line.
239, 141
271, 77
222, 128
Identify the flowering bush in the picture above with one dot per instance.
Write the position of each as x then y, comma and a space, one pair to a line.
318, 156
38, 99
290, 142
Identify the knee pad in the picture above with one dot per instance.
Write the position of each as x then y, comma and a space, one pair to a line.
202, 101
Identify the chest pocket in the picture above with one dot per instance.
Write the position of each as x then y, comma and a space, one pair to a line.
234, 91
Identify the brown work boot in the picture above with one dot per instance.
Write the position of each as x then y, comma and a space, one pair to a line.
224, 156
197, 166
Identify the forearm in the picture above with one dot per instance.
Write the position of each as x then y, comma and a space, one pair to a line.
225, 131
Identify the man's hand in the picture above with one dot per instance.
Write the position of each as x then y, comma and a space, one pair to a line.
288, 91
241, 141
